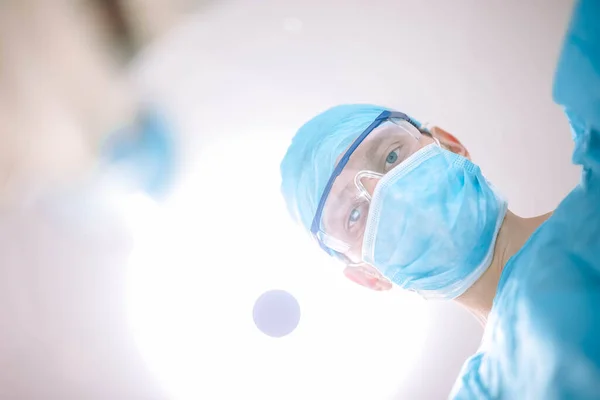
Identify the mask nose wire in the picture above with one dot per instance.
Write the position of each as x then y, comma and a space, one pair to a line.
360, 186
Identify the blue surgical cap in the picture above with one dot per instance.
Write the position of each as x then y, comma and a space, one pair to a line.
312, 156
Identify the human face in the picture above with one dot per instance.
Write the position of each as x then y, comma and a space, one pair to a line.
346, 209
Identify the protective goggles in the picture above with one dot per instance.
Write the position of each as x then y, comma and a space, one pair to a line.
339, 222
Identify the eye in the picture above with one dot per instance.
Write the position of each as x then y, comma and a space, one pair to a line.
354, 217
392, 158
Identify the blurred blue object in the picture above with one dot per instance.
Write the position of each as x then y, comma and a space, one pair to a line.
543, 335
276, 313
145, 154
577, 80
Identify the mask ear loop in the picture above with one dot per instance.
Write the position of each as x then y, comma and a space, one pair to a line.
359, 185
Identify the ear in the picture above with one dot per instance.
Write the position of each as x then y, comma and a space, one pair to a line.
367, 276
448, 141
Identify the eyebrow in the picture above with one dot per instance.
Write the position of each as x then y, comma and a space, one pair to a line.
375, 150
350, 187
372, 150
345, 197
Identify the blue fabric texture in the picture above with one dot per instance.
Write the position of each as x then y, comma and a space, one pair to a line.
542, 340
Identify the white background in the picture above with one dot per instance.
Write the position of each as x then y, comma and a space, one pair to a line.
84, 320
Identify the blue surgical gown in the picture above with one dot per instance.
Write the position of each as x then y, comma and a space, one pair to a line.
542, 340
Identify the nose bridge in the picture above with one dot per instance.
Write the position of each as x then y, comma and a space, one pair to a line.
369, 183
366, 181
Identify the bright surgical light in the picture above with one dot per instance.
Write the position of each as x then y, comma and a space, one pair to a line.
203, 259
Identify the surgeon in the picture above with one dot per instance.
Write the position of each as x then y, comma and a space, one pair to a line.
403, 204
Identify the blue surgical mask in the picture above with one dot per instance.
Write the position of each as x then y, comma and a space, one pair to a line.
433, 223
